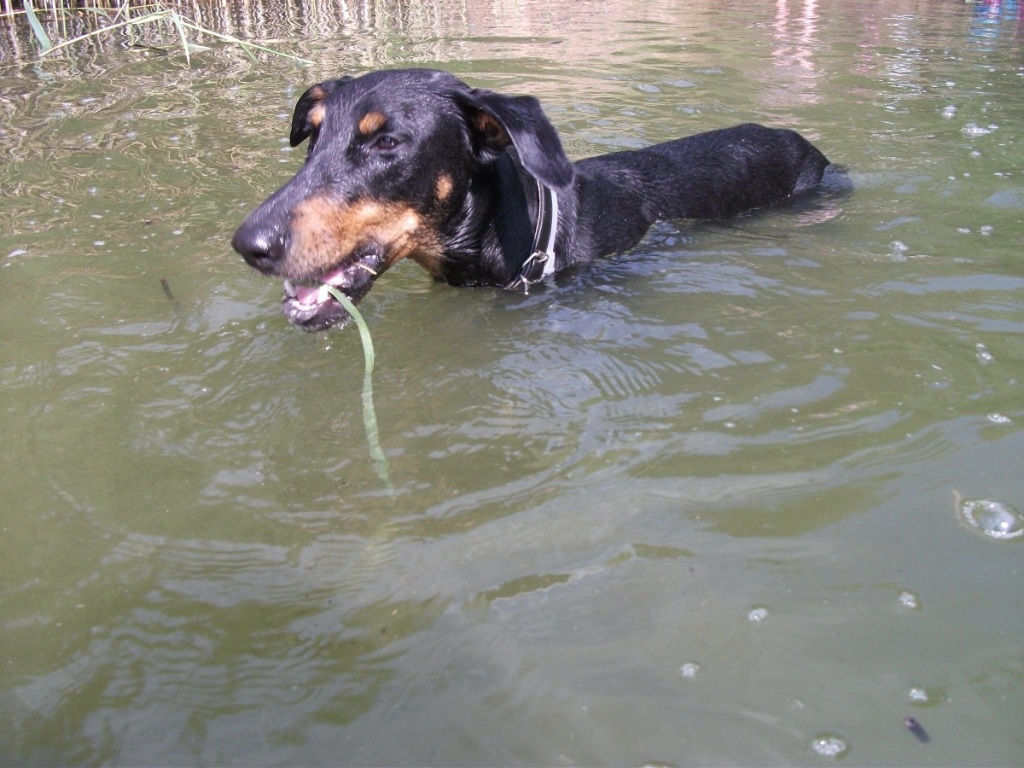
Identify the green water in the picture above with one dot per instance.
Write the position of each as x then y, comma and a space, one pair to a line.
693, 505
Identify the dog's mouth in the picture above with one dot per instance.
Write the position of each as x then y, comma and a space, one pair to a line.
310, 305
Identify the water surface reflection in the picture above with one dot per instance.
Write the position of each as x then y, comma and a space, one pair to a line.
699, 503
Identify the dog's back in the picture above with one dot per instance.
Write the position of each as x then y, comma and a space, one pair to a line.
711, 175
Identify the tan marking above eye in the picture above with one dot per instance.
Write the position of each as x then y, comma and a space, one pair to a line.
372, 122
444, 185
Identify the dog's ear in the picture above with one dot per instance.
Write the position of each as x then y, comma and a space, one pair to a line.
309, 110
496, 121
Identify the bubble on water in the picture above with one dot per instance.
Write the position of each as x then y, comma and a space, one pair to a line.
830, 746
998, 418
983, 355
992, 519
918, 695
973, 129
757, 614
689, 669
949, 110
909, 600
987, 229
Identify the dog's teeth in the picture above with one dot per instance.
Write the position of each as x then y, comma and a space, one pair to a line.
289, 289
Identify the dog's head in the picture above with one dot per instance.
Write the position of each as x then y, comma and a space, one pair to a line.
391, 158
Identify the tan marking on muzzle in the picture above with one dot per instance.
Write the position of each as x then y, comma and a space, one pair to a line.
325, 234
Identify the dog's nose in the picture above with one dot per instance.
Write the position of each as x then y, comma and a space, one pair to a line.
260, 245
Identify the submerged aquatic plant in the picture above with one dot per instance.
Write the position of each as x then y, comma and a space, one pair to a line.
146, 14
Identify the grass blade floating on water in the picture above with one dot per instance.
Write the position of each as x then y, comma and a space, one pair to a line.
369, 415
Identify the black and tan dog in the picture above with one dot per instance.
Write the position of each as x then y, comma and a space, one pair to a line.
474, 186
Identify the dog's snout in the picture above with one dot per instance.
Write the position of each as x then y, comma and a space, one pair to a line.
261, 246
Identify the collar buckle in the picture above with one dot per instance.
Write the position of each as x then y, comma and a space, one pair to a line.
541, 262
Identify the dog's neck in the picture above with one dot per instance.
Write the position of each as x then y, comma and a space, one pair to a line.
507, 216
541, 261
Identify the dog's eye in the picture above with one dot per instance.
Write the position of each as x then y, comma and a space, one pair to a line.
386, 142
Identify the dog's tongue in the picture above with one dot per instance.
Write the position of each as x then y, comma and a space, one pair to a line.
305, 295
313, 295
313, 308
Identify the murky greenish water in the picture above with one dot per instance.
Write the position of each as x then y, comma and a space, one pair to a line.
721, 500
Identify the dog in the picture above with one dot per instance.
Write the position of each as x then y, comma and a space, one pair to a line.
475, 187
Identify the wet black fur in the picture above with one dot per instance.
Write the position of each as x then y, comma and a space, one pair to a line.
490, 145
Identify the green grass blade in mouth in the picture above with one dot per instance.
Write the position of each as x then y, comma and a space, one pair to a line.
369, 414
